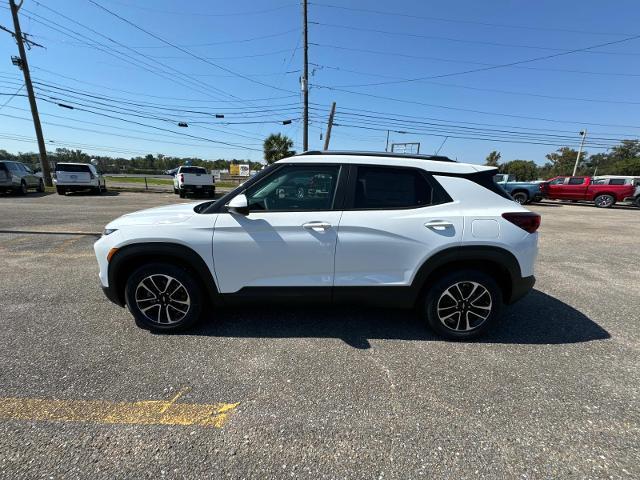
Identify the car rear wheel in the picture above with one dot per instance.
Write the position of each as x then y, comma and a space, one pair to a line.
604, 201
463, 305
182, 193
41, 186
636, 202
163, 297
60, 190
521, 197
23, 188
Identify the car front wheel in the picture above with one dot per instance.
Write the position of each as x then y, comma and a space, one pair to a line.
463, 305
163, 297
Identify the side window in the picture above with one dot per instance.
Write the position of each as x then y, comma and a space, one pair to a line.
617, 181
387, 188
295, 187
27, 169
13, 167
576, 181
557, 181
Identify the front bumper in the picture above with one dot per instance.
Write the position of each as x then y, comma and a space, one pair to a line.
520, 288
112, 295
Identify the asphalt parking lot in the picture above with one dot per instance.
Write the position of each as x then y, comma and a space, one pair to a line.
553, 392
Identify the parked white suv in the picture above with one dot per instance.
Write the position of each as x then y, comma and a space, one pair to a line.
387, 229
74, 177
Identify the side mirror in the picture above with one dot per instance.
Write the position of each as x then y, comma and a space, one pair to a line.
239, 205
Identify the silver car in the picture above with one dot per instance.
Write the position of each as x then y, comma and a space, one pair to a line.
18, 178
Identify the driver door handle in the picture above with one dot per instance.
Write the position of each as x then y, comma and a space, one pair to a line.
317, 226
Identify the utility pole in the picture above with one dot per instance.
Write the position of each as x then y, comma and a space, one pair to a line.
24, 66
386, 147
584, 136
329, 126
305, 81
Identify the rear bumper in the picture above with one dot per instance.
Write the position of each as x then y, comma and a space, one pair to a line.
198, 188
519, 288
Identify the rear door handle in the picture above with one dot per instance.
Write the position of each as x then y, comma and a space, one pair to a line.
317, 226
439, 225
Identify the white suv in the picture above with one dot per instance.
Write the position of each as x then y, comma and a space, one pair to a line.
388, 229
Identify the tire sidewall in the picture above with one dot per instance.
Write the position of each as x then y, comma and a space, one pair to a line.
604, 206
23, 188
521, 194
181, 274
437, 289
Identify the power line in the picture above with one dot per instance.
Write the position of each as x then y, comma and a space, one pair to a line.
446, 107
207, 14
178, 72
475, 42
470, 22
493, 67
183, 50
12, 97
494, 90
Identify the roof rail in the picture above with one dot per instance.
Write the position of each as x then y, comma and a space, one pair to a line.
437, 158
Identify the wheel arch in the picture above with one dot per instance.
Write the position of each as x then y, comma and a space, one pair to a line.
497, 262
130, 257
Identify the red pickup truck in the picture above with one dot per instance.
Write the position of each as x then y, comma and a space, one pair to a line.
583, 188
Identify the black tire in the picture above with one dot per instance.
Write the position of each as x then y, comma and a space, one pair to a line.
23, 188
96, 190
521, 197
156, 318
176, 191
60, 190
182, 194
604, 201
41, 186
450, 323
636, 202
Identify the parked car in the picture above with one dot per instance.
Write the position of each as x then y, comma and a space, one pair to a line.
392, 229
75, 177
583, 188
19, 178
522, 192
193, 180
622, 180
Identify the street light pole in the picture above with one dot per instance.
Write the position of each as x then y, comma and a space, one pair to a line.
584, 136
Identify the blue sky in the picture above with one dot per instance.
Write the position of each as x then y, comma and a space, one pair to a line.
243, 59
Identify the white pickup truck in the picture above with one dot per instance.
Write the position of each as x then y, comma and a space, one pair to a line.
193, 180
73, 177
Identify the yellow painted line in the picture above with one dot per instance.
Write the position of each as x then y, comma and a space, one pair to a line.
149, 412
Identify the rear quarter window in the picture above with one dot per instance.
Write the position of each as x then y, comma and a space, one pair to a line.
61, 167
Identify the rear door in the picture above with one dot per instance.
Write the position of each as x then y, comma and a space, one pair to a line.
288, 239
394, 219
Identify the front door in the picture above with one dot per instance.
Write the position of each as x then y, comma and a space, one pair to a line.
288, 239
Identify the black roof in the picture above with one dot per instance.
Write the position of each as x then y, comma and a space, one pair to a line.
437, 158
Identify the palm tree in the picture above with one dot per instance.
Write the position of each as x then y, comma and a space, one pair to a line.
277, 147
493, 158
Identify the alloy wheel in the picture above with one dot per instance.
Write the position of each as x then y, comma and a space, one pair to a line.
464, 306
162, 299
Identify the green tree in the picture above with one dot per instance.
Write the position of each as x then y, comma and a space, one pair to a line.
524, 170
276, 147
493, 158
561, 161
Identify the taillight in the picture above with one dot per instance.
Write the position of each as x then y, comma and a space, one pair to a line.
182, 178
527, 221
91, 176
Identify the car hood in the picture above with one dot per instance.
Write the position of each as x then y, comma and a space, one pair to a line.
156, 216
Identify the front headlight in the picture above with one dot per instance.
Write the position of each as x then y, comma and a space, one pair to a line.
108, 231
